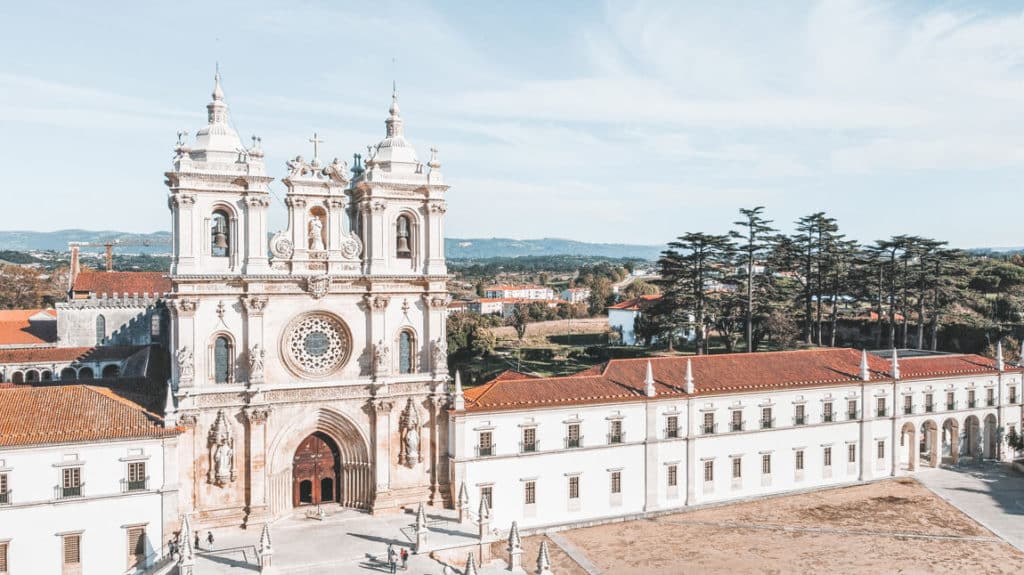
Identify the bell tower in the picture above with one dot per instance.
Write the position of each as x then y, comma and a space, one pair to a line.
219, 196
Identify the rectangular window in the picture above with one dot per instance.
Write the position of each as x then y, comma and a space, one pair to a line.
827, 456
529, 439
573, 437
851, 453
766, 418
737, 420
5, 498
766, 464
798, 419
737, 467
709, 423
72, 550
137, 476
136, 546
881, 450
530, 493
486, 446
929, 402
880, 410
673, 475
950, 401
826, 411
851, 409
3, 558
574, 487
71, 482
1013, 394
487, 494
799, 459
908, 404
990, 397
970, 399
672, 426
615, 431
616, 482
709, 470
154, 325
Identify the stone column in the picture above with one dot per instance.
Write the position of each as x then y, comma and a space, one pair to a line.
256, 233
383, 499
185, 364
186, 244
377, 239
254, 306
257, 508
297, 225
435, 237
336, 230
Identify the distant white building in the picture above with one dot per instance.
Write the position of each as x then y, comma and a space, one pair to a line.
90, 493
639, 436
520, 292
622, 317
576, 295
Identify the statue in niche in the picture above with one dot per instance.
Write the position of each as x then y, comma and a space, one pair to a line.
316, 234
184, 358
381, 359
440, 352
256, 356
221, 444
410, 431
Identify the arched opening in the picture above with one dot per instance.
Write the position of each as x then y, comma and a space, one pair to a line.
220, 234
111, 371
908, 439
31, 376
951, 441
101, 329
928, 454
406, 352
46, 375
18, 377
315, 470
403, 237
68, 373
85, 373
991, 437
972, 429
223, 359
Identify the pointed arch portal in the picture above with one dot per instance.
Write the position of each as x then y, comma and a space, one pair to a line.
315, 471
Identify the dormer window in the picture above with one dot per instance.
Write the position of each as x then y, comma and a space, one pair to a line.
220, 236
403, 238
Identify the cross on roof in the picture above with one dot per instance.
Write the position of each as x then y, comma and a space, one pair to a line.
316, 146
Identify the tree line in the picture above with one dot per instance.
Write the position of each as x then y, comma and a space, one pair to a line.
755, 286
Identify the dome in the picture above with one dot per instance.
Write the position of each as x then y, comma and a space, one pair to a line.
217, 139
394, 148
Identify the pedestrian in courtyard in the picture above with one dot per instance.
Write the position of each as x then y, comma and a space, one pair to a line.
197, 541
405, 559
392, 558
209, 539
172, 547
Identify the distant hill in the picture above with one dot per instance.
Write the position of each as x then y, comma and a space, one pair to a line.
455, 248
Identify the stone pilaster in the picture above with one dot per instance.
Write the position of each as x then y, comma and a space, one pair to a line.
383, 499
257, 507
256, 233
254, 307
651, 482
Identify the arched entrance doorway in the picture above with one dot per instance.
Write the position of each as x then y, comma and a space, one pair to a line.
929, 452
908, 440
972, 428
315, 471
991, 437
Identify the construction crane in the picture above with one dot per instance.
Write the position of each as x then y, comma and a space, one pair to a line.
108, 245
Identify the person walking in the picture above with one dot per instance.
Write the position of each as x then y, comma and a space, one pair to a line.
392, 558
197, 541
209, 539
405, 559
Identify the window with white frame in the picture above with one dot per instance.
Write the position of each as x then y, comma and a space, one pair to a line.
880, 409
990, 397
1013, 394
673, 475
709, 422
826, 411
672, 426
799, 459
71, 552
851, 453
5, 493
529, 439
616, 482
766, 418
136, 545
971, 402
4, 546
136, 476
737, 467
486, 444
709, 470
530, 492
851, 409
799, 418
574, 487
737, 420
827, 456
766, 464
572, 436
71, 482
487, 494
881, 449
615, 431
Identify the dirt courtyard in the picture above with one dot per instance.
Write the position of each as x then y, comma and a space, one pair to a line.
861, 529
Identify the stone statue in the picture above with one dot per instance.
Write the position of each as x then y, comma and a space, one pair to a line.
316, 234
222, 459
185, 362
412, 445
256, 357
381, 358
297, 167
336, 170
439, 349
409, 424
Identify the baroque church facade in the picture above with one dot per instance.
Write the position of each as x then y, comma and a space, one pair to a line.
311, 370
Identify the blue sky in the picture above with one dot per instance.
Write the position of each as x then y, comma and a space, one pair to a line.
624, 122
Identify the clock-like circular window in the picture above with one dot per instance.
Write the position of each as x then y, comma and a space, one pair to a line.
316, 344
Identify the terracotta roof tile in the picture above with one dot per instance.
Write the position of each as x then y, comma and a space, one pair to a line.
72, 414
637, 302
69, 354
623, 379
123, 283
28, 327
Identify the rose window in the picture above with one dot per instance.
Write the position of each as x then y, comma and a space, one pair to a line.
317, 344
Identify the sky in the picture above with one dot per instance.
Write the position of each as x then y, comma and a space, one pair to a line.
631, 122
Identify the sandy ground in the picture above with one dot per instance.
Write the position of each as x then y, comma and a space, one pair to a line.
561, 563
749, 537
542, 329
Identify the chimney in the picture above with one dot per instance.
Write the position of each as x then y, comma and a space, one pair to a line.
76, 266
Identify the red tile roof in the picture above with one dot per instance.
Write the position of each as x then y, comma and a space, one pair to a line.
73, 414
637, 302
623, 379
28, 327
66, 354
122, 283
